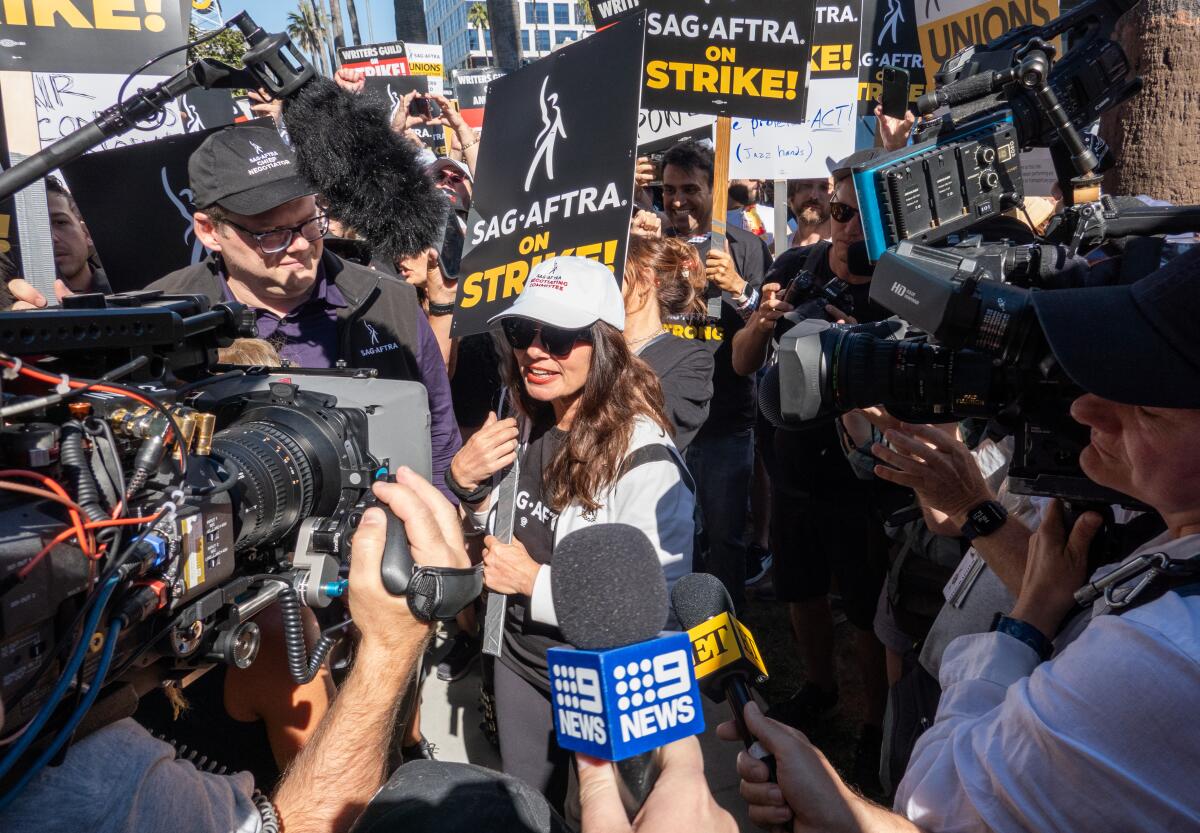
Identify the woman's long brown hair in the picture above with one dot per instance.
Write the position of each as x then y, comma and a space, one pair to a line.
619, 388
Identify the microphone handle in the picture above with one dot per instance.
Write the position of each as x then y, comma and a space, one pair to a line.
636, 777
737, 692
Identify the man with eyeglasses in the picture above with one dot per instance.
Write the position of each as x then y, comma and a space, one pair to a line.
263, 228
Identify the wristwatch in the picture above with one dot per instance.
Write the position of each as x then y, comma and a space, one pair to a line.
441, 309
984, 519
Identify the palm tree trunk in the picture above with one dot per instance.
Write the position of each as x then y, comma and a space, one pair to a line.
335, 19
353, 12
506, 46
1155, 136
410, 21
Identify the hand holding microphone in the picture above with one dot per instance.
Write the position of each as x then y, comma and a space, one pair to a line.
623, 691
806, 793
680, 800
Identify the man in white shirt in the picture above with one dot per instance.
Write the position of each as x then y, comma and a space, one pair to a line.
1095, 733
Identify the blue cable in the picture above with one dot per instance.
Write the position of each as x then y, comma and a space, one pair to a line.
60, 688
68, 729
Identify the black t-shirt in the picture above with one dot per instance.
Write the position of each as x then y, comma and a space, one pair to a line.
206, 728
735, 399
685, 370
526, 641
475, 385
811, 460
815, 259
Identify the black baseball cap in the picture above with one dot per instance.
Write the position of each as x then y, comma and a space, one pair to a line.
1139, 343
457, 798
247, 170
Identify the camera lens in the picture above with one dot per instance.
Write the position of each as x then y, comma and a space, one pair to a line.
825, 370
290, 464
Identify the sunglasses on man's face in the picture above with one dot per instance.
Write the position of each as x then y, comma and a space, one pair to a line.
451, 177
558, 342
842, 213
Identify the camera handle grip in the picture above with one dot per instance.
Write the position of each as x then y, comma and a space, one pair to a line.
397, 566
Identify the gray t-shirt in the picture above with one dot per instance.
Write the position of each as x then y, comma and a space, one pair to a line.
121, 779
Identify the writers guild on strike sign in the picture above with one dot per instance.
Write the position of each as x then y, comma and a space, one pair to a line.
556, 173
624, 701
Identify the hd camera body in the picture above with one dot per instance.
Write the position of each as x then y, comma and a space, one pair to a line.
256, 488
966, 341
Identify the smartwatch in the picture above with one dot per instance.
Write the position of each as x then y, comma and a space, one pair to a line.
984, 519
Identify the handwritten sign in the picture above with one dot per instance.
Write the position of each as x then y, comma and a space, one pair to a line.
66, 102
763, 149
659, 129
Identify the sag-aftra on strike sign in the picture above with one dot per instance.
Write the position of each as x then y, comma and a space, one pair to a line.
89, 35
734, 57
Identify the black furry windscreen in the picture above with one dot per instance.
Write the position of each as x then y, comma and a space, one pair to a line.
370, 176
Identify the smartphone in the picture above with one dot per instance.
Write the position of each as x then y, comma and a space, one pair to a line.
420, 107
895, 92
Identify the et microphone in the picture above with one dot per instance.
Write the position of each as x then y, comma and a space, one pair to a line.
725, 655
622, 690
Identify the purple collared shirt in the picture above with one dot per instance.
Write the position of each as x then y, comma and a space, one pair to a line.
307, 337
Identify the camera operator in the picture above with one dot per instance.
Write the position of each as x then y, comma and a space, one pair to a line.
1026, 728
822, 518
263, 228
121, 778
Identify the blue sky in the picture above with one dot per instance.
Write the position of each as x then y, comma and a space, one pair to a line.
272, 15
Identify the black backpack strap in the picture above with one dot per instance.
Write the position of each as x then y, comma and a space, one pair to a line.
654, 454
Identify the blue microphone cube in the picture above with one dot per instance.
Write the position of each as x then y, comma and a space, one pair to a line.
622, 702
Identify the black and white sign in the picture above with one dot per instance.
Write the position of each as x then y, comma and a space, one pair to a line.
555, 170
734, 57
138, 207
889, 38
206, 109
388, 93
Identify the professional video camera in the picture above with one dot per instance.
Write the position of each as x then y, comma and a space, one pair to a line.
145, 521
969, 343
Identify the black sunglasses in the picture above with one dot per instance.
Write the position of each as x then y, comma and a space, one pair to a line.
841, 212
558, 342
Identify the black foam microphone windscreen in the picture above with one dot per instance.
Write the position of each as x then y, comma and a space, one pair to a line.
698, 597
608, 587
371, 178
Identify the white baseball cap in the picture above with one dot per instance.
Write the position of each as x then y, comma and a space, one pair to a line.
571, 293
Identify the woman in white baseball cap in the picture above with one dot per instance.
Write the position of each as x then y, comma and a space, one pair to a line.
592, 446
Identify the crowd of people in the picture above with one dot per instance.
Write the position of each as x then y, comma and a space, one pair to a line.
994, 696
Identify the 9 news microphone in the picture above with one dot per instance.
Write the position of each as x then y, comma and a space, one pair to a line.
622, 690
725, 654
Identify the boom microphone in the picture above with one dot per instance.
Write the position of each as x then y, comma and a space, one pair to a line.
370, 177
623, 691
